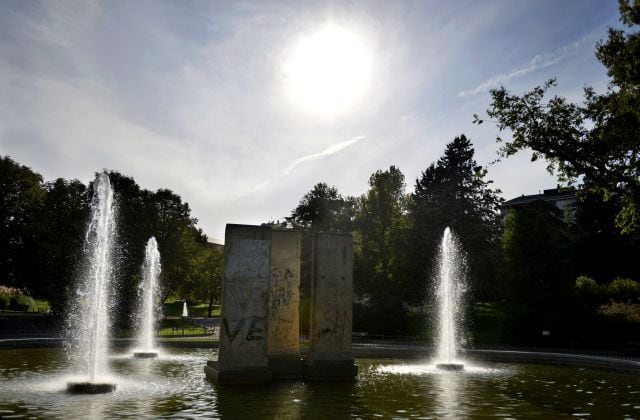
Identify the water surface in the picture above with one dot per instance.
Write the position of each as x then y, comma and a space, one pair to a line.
33, 381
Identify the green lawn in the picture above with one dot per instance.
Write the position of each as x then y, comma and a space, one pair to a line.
487, 320
199, 310
179, 326
39, 305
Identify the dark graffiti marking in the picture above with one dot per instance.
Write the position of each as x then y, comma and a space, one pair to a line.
252, 333
231, 335
281, 292
336, 324
254, 330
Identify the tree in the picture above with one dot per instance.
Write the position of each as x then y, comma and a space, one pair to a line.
597, 141
381, 222
60, 225
142, 214
453, 192
21, 198
323, 209
380, 255
537, 275
175, 231
209, 272
600, 250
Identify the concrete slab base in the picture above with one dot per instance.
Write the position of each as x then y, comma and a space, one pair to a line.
330, 370
236, 376
145, 354
90, 387
450, 366
286, 367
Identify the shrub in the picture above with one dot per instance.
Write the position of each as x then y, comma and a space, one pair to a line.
623, 290
625, 312
21, 302
587, 287
384, 314
4, 301
15, 299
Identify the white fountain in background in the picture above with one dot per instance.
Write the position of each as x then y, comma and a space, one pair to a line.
451, 272
90, 322
185, 312
149, 305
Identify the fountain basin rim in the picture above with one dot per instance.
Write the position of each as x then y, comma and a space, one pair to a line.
397, 351
557, 358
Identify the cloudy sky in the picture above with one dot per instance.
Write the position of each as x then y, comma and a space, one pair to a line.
241, 107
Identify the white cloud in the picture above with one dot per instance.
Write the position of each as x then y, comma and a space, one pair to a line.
540, 61
190, 96
334, 148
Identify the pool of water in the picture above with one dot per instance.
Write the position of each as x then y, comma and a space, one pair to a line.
33, 383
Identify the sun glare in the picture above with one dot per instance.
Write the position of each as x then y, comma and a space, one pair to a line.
328, 71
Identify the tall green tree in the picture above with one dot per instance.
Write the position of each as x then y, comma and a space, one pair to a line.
380, 255
381, 224
22, 195
537, 275
600, 250
323, 209
61, 226
208, 274
453, 192
176, 233
141, 215
133, 232
597, 140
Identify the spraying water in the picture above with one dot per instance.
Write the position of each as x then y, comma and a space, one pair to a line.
149, 306
185, 312
450, 287
90, 320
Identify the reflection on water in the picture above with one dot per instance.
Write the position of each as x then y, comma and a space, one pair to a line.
33, 382
446, 397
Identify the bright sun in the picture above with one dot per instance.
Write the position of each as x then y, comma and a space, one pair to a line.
328, 71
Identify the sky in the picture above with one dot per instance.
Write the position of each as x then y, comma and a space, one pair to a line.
242, 107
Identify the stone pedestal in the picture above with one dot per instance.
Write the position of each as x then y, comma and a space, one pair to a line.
283, 342
242, 356
330, 329
260, 319
238, 376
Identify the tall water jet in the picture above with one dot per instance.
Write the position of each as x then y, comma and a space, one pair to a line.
185, 312
149, 305
90, 321
451, 271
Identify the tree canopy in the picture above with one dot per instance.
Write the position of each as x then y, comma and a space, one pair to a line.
42, 226
596, 141
453, 192
22, 195
323, 209
380, 224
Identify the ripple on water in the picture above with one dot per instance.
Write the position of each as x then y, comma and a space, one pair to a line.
431, 369
174, 385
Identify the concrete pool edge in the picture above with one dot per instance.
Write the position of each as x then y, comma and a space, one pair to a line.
395, 351
504, 356
554, 358
18, 343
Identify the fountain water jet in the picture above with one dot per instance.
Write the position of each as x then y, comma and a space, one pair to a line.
185, 312
149, 307
450, 286
91, 323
